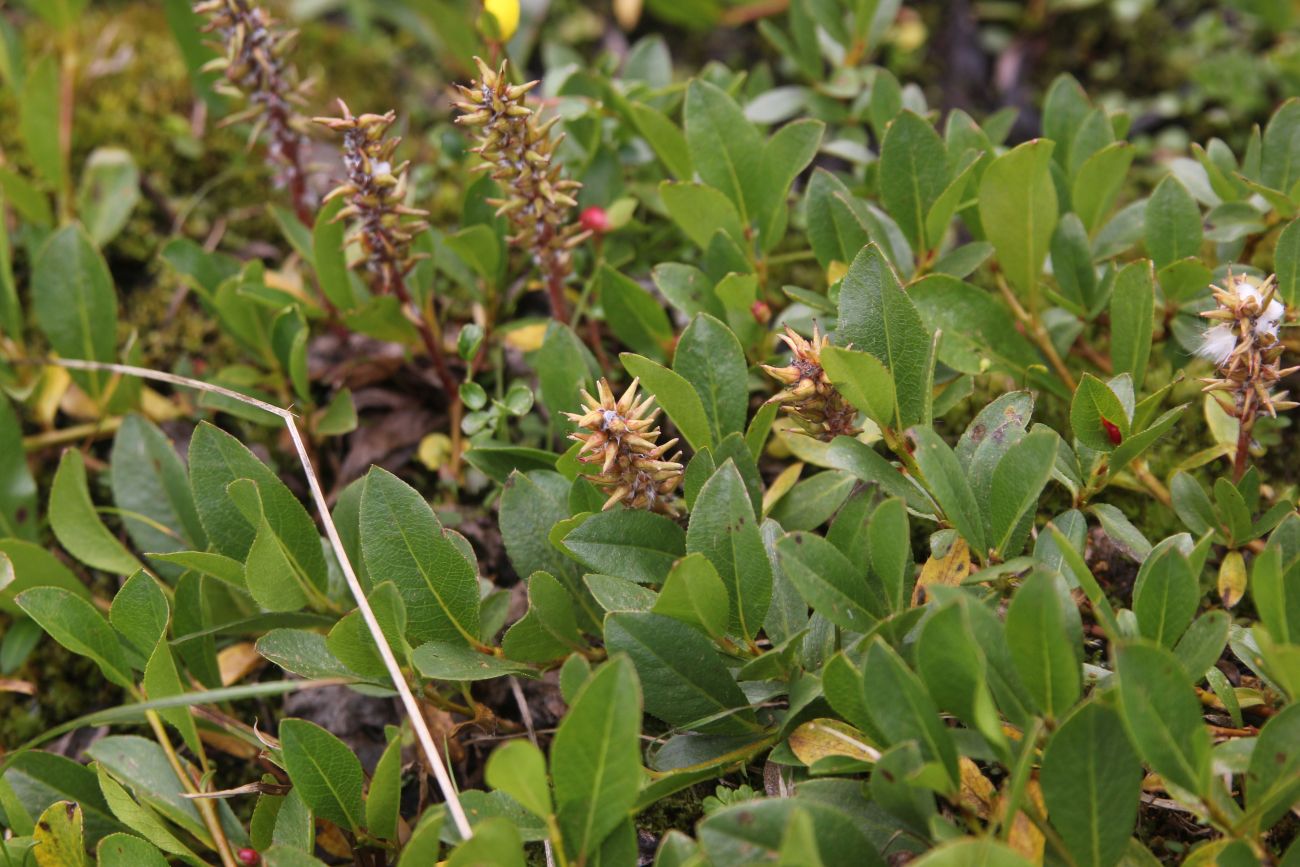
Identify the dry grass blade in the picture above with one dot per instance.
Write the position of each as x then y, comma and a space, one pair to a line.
422, 733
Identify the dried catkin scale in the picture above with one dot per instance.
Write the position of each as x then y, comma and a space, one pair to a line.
617, 435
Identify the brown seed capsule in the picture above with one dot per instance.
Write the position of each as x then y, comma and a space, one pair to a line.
519, 153
616, 434
374, 189
809, 396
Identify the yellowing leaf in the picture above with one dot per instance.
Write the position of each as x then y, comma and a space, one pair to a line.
1025, 837
781, 486
1232, 579
528, 338
434, 450
821, 738
977, 794
835, 271
951, 569
238, 661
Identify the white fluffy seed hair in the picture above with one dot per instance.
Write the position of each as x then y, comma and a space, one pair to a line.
1218, 343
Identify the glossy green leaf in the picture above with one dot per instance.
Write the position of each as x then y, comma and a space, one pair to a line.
1040, 643
700, 210
726, 150
1132, 319
403, 542
710, 358
683, 679
1098, 182
1017, 207
1173, 223
1163, 716
724, 528
1165, 596
324, 771
1092, 781
680, 401
864, 380
1018, 481
946, 479
596, 758
694, 593
876, 316
75, 305
913, 174
1095, 404
827, 581
74, 623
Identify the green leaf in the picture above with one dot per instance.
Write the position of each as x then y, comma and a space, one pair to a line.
754, 832
1132, 319
1272, 587
785, 155
329, 259
1018, 481
1098, 182
978, 333
827, 581
1040, 643
1065, 108
835, 234
217, 459
1286, 262
519, 769
680, 401
38, 119
913, 174
549, 630
75, 305
700, 210
1173, 223
1095, 402
324, 771
683, 679
302, 652
496, 841
140, 612
633, 314
1092, 782
108, 193
149, 479
272, 577
73, 622
18, 517
946, 479
125, 850
1280, 157
812, 501
1017, 207
694, 593
972, 852
952, 664
452, 660
1273, 780
724, 528
710, 358
1165, 596
630, 543
402, 541
27, 200
911, 714
1163, 716
876, 316
531, 504
664, 137
141, 765
596, 758
864, 380
1203, 642
726, 150
943, 209
76, 524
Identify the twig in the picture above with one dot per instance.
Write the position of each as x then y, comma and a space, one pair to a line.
1037, 333
409, 702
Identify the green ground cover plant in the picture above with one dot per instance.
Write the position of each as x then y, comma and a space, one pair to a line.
693, 433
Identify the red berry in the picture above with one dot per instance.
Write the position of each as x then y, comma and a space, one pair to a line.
594, 219
761, 312
1112, 431
248, 856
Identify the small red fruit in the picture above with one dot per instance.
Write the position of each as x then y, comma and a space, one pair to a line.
1112, 431
594, 219
761, 312
248, 856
